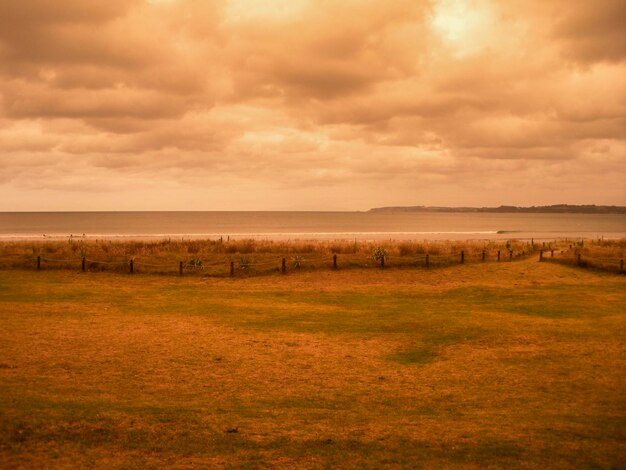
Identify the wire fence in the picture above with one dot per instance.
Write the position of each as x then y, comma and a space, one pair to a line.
223, 259
580, 258
247, 265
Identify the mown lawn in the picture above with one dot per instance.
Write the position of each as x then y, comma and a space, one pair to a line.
504, 365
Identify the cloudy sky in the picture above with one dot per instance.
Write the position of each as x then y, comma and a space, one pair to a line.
310, 104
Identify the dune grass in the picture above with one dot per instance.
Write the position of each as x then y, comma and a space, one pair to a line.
213, 258
511, 364
254, 257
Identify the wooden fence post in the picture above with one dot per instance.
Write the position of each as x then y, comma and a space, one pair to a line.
83, 264
334, 261
232, 268
283, 266
462, 256
579, 262
484, 255
382, 261
180, 268
427, 260
498, 255
38, 263
132, 266
510, 255
551, 253
541, 255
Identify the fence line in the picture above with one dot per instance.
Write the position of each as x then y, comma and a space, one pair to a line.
574, 257
112, 263
60, 260
571, 256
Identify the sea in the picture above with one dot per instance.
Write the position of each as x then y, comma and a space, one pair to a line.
309, 225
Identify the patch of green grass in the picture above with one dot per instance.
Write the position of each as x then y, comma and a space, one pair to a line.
550, 301
415, 356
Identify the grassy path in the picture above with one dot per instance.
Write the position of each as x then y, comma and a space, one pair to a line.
514, 364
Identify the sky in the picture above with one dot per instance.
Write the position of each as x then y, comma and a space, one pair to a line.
310, 104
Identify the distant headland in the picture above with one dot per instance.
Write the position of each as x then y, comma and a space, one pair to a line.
553, 209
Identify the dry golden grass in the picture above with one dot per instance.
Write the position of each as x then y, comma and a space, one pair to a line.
257, 256
597, 254
511, 364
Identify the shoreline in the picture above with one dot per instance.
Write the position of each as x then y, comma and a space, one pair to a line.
321, 236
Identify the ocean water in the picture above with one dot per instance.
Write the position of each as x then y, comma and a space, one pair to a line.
309, 225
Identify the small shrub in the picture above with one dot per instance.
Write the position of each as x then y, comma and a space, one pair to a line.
244, 263
195, 263
379, 253
296, 261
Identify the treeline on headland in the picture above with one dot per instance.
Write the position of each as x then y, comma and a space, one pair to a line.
553, 209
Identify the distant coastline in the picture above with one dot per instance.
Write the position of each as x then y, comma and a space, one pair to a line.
553, 209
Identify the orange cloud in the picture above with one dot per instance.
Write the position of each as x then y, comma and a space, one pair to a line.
438, 99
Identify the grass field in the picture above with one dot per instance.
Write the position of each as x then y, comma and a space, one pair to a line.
501, 364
